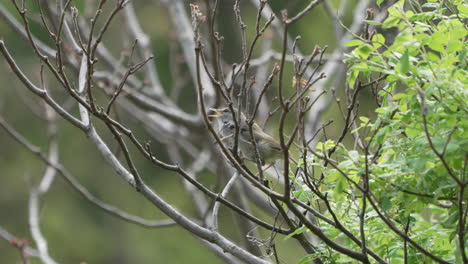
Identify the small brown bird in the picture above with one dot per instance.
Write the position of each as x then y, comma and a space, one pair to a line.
268, 148
225, 124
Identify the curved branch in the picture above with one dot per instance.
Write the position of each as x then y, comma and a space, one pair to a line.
70, 179
38, 91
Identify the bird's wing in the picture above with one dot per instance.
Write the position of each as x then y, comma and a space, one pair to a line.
259, 134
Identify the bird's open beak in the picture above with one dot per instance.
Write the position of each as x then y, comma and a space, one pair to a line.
216, 114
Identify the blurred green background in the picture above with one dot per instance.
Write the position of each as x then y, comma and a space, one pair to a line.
76, 230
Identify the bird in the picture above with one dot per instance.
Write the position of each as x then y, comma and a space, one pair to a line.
269, 149
225, 124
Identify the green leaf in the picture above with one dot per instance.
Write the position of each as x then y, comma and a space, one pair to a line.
363, 51
411, 132
452, 219
354, 42
308, 258
364, 119
385, 203
329, 144
430, 5
463, 10
393, 19
452, 235
298, 231
399, 96
332, 177
354, 155
370, 22
345, 164
378, 40
298, 193
379, 2
338, 191
404, 63
352, 76
403, 108
432, 56
462, 55
356, 129
391, 22
454, 46
437, 41
319, 146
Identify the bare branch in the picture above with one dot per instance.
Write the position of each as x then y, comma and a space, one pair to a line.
70, 179
9, 19
309, 7
144, 45
14, 240
225, 191
183, 28
36, 90
34, 225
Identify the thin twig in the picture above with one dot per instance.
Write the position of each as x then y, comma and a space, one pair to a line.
129, 72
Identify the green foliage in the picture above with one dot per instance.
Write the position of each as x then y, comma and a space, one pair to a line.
418, 142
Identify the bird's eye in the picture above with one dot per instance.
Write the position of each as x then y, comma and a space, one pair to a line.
225, 122
232, 126
225, 110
